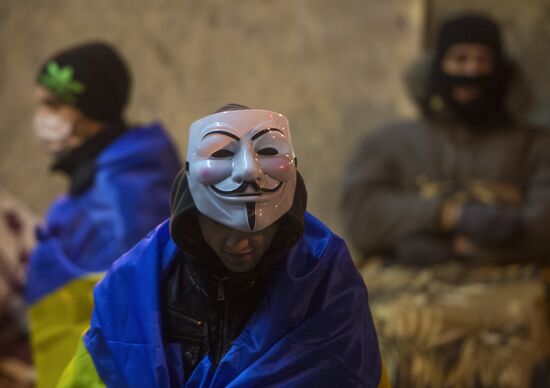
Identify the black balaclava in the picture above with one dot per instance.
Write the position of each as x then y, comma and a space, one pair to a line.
488, 109
93, 77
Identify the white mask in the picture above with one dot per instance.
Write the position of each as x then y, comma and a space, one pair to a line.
52, 130
241, 168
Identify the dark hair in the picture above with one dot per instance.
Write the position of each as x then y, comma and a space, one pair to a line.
231, 106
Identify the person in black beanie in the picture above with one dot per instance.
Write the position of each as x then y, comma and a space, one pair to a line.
466, 185
119, 183
81, 94
464, 181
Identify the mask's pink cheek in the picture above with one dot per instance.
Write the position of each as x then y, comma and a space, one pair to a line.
210, 172
279, 168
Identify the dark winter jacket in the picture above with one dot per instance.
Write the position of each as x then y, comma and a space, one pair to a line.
400, 175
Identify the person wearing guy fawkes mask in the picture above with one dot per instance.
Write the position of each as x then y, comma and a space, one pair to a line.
241, 287
465, 186
119, 184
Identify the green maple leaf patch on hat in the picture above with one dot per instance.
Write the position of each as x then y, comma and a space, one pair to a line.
60, 81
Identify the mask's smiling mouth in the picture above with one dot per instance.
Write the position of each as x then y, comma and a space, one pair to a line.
246, 189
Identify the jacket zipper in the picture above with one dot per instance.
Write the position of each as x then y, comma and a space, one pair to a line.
196, 322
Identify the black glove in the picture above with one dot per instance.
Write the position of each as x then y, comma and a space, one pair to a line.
489, 225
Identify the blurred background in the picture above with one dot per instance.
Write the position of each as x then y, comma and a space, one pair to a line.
334, 68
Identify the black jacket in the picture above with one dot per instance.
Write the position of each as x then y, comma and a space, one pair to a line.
205, 306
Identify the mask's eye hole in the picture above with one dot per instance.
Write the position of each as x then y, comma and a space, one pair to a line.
268, 151
223, 153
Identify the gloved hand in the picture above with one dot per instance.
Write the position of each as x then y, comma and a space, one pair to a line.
489, 225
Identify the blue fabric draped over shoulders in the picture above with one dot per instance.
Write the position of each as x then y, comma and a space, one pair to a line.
312, 327
85, 233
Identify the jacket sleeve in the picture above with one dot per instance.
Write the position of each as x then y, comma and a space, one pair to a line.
534, 240
377, 209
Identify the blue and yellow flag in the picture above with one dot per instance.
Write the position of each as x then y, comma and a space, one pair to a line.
312, 328
84, 234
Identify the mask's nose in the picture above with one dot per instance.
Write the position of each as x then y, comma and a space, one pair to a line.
246, 167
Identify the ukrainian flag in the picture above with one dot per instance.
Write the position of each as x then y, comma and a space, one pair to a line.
60, 302
313, 328
85, 233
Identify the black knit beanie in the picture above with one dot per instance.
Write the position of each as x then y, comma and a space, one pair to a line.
468, 28
93, 77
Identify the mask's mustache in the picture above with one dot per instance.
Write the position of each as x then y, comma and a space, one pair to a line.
243, 186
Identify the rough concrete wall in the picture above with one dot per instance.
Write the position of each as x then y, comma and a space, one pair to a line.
526, 33
332, 67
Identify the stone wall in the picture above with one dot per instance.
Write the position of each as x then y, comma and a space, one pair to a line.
332, 67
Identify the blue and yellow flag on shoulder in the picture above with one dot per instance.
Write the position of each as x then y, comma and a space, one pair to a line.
313, 327
56, 323
85, 233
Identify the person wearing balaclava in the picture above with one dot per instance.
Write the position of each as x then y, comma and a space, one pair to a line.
119, 184
469, 73
241, 287
467, 184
